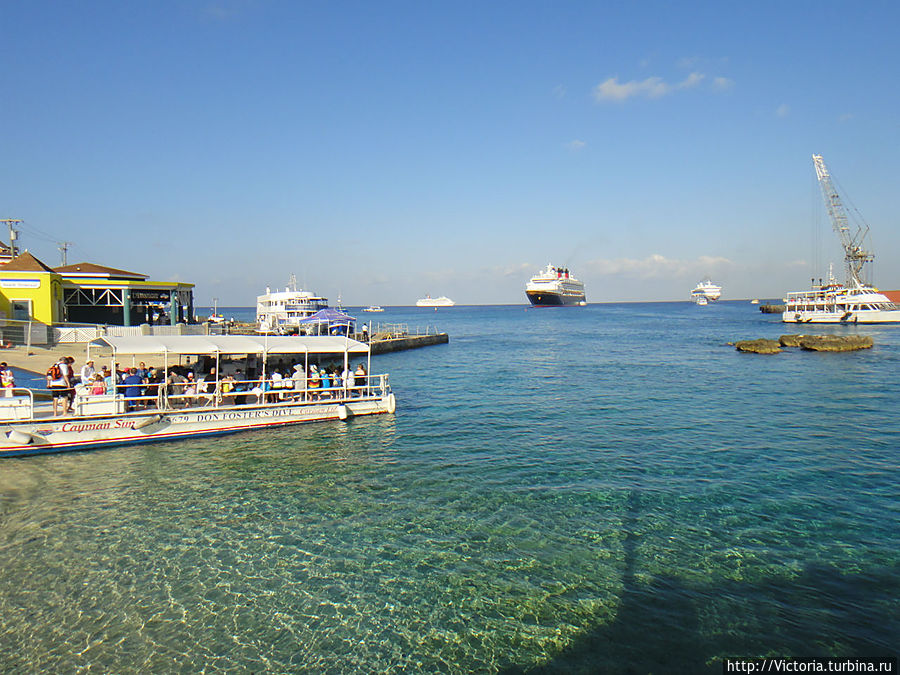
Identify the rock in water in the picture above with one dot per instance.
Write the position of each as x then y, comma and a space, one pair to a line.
790, 340
836, 343
760, 346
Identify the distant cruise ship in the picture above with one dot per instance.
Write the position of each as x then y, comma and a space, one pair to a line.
706, 291
555, 286
428, 301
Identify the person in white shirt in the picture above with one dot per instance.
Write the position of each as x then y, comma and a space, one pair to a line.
87, 373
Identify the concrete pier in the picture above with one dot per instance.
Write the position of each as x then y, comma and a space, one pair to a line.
383, 346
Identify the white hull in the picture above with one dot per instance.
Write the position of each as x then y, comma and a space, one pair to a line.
62, 434
435, 302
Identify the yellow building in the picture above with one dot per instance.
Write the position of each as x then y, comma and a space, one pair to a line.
89, 293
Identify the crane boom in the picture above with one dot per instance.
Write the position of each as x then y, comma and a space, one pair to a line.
855, 257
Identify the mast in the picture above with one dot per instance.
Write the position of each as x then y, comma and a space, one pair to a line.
855, 256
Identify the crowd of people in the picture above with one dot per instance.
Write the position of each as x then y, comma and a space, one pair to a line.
141, 385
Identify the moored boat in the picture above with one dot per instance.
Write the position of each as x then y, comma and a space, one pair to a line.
238, 395
555, 286
855, 300
281, 312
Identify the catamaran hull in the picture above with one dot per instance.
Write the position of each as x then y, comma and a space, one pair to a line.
88, 433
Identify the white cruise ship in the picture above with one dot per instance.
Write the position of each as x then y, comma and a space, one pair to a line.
706, 291
854, 301
281, 311
428, 301
555, 286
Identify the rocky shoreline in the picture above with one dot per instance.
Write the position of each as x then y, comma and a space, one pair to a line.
816, 343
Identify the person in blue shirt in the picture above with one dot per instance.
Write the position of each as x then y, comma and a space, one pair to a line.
132, 382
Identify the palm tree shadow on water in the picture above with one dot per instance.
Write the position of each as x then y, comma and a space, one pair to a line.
668, 626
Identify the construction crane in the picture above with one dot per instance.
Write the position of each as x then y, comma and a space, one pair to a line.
855, 256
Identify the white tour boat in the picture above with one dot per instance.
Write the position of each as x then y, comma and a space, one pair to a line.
705, 292
855, 300
555, 286
428, 301
374, 308
239, 395
281, 312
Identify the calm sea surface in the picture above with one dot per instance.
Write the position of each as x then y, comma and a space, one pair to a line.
598, 489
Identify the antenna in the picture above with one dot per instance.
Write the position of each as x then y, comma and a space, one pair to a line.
64, 249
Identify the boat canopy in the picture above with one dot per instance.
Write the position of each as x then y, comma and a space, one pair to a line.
229, 344
328, 315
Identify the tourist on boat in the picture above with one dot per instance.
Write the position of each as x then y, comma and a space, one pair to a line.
190, 389
87, 372
97, 385
132, 383
108, 380
315, 383
348, 380
361, 376
326, 383
7, 380
58, 383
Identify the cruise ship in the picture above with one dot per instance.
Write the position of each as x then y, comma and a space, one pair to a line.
555, 286
281, 311
705, 292
428, 301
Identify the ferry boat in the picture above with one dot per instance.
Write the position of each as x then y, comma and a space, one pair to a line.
855, 300
555, 286
281, 312
374, 308
706, 291
835, 303
221, 403
428, 301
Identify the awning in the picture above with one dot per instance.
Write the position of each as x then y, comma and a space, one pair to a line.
229, 344
328, 315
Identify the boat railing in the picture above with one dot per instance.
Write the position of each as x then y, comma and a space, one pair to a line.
16, 403
224, 393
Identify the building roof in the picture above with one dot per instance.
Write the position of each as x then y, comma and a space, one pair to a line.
86, 269
25, 262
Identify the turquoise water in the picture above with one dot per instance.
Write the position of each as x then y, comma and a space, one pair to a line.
599, 489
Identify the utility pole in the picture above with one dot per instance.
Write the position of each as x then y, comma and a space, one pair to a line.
13, 234
64, 248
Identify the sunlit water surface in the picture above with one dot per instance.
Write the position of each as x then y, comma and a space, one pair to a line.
599, 489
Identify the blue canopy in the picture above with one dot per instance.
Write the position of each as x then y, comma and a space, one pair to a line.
329, 316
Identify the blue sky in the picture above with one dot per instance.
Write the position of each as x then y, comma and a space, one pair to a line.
388, 150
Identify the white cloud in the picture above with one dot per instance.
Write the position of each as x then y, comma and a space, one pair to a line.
559, 91
783, 110
657, 266
846, 117
651, 87
722, 83
575, 145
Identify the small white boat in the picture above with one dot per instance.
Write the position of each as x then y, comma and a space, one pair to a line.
701, 301
373, 308
221, 403
706, 290
428, 301
755, 301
